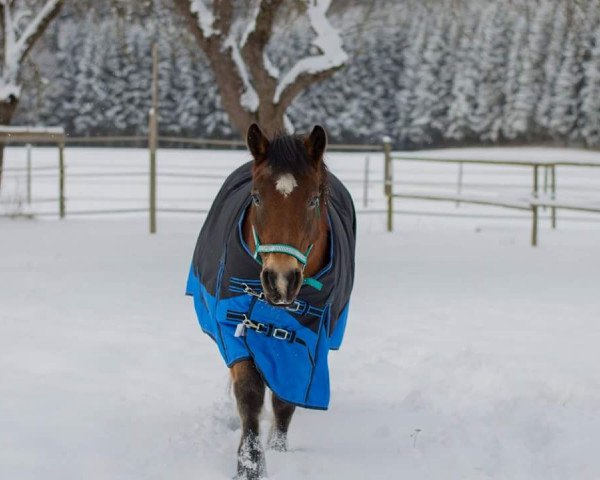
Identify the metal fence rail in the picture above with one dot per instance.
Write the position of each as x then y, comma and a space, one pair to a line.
531, 203
134, 174
48, 135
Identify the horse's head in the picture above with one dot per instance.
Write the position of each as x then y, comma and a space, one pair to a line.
287, 211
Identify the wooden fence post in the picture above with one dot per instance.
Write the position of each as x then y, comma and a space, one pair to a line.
553, 193
366, 183
387, 186
534, 226
61, 179
459, 183
28, 147
153, 138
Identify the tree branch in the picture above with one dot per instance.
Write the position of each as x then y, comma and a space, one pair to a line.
36, 28
224, 65
253, 44
315, 68
17, 47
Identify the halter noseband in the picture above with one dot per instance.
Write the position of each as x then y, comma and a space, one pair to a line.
287, 250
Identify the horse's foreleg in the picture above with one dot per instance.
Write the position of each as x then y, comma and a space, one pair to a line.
283, 412
249, 390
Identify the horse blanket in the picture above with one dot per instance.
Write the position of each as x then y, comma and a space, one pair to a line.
289, 345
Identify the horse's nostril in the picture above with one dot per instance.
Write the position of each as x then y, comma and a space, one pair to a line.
293, 277
269, 279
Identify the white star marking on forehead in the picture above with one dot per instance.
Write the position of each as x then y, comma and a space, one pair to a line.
285, 184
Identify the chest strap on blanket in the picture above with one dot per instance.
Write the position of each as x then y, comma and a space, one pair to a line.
267, 329
287, 250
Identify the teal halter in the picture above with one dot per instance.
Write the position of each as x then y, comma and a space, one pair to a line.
287, 250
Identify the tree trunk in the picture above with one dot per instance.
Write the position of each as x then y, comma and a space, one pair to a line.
7, 109
247, 86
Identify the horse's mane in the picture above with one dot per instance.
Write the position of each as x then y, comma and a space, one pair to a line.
288, 154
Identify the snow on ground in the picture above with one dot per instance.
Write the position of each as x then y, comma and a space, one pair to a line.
468, 355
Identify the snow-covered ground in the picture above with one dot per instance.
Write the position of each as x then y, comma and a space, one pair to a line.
468, 355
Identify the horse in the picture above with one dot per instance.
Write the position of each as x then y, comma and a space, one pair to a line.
271, 278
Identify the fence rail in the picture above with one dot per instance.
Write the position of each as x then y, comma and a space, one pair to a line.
532, 203
394, 189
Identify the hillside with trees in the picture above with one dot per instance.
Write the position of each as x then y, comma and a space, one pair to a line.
432, 73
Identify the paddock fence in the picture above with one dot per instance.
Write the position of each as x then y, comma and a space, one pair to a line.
132, 173
106, 179
533, 201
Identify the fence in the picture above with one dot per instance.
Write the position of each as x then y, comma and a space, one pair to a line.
91, 171
98, 187
52, 135
531, 203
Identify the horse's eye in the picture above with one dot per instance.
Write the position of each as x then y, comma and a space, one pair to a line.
255, 199
314, 202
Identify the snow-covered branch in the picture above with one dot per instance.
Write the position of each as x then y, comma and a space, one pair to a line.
328, 41
206, 17
252, 88
17, 44
248, 97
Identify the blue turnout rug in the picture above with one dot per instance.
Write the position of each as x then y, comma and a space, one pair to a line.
289, 345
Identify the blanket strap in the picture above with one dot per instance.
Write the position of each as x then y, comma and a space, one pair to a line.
267, 329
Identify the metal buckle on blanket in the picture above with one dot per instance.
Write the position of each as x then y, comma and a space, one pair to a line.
294, 307
256, 326
281, 334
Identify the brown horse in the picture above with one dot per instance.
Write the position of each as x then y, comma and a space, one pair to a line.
289, 183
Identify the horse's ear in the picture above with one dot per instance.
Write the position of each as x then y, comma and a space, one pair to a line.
257, 143
316, 143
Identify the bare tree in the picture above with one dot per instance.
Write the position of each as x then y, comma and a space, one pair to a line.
252, 89
23, 23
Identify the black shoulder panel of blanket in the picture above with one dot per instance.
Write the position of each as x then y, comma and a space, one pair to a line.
221, 254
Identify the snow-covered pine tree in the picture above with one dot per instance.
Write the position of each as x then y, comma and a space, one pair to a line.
410, 76
115, 72
59, 106
552, 66
589, 120
463, 98
88, 90
565, 99
519, 118
492, 44
514, 118
448, 72
589, 19
428, 93
138, 65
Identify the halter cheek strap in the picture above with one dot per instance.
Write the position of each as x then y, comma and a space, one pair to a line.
287, 250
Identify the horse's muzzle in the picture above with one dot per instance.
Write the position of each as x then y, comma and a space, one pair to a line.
281, 288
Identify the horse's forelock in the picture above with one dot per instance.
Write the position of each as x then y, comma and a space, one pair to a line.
287, 154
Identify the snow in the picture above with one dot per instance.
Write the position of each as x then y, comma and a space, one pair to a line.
328, 41
248, 98
26, 129
251, 25
8, 90
205, 16
468, 353
271, 69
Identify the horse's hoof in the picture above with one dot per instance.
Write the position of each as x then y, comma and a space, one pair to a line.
277, 441
249, 474
251, 460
